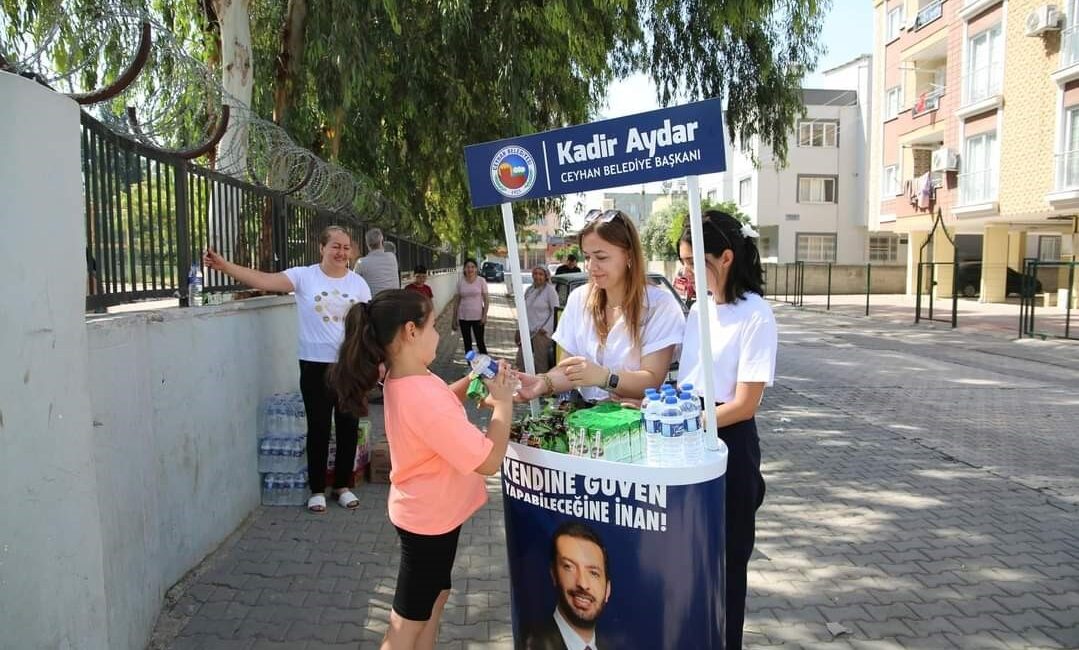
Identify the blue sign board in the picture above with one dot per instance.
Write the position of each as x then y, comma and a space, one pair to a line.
658, 145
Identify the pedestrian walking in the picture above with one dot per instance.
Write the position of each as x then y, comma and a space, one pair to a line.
470, 309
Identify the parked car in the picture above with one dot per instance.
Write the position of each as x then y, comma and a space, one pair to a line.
493, 272
565, 284
970, 281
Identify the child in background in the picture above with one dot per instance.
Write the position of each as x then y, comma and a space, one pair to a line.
419, 282
439, 458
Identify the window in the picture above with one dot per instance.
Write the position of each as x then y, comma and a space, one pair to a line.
883, 248
1069, 38
713, 196
814, 133
893, 102
894, 24
816, 248
745, 188
985, 53
1068, 158
889, 184
1049, 248
817, 189
978, 182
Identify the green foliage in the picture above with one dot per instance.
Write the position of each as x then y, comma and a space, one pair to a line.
562, 253
664, 228
394, 91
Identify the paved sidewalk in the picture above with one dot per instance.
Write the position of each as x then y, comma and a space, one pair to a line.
922, 492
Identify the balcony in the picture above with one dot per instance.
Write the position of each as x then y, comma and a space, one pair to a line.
927, 102
928, 14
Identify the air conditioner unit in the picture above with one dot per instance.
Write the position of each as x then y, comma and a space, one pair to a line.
944, 160
1042, 19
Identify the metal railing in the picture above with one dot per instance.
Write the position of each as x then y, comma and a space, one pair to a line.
1067, 165
977, 187
1028, 297
1069, 45
982, 82
149, 215
928, 104
794, 284
928, 14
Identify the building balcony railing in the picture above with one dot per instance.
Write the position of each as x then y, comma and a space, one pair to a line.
928, 14
1067, 164
1069, 46
982, 83
977, 187
927, 102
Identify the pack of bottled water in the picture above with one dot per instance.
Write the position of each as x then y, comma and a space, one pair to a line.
283, 415
673, 427
284, 488
282, 454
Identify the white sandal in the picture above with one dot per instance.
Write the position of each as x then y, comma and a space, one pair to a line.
317, 503
348, 500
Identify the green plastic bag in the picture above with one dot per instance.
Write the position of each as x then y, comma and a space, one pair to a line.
476, 389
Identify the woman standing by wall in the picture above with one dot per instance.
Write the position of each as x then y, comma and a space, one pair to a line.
470, 310
324, 294
744, 342
541, 301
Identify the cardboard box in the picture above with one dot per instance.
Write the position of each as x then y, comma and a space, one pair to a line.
380, 463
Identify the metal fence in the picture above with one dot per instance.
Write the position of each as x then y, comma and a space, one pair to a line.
1050, 328
789, 281
149, 215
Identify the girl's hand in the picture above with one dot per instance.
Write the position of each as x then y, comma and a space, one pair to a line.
501, 387
213, 260
581, 372
629, 402
483, 319
532, 387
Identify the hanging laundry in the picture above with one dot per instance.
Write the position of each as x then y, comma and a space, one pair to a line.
925, 190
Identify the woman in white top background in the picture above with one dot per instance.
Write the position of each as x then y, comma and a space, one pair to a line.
744, 342
619, 330
324, 294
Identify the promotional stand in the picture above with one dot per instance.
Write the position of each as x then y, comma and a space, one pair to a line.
649, 571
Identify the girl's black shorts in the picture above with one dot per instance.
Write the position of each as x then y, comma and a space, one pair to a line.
426, 564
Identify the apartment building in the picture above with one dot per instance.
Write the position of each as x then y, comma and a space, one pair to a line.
976, 116
815, 208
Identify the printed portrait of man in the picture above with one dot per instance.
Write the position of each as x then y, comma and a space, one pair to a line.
579, 571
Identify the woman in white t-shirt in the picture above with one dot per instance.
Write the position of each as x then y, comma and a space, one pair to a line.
619, 330
324, 294
744, 341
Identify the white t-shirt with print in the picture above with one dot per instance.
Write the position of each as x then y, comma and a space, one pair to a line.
662, 325
744, 342
321, 303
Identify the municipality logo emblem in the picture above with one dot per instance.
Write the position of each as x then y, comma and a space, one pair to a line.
513, 171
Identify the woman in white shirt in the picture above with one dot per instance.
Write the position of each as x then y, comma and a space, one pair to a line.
744, 341
541, 301
324, 294
620, 330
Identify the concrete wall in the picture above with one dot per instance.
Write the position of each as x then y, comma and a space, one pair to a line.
52, 589
846, 279
175, 396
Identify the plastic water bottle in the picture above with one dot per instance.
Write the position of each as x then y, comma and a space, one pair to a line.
486, 367
650, 408
194, 286
694, 436
671, 433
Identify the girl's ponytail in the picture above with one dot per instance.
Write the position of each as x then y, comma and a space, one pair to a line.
370, 328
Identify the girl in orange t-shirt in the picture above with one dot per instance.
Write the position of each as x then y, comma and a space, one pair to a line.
439, 458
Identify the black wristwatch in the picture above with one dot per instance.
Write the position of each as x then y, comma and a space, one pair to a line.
612, 381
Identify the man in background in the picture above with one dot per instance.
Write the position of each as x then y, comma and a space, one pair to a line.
379, 268
569, 267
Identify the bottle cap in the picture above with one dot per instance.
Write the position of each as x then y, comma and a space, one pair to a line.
684, 395
671, 399
470, 355
687, 388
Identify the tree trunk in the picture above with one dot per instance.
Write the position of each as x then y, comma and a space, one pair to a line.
289, 59
237, 79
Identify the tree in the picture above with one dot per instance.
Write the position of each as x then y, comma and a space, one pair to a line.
661, 233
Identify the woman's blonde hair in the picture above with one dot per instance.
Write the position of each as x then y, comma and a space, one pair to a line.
615, 227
